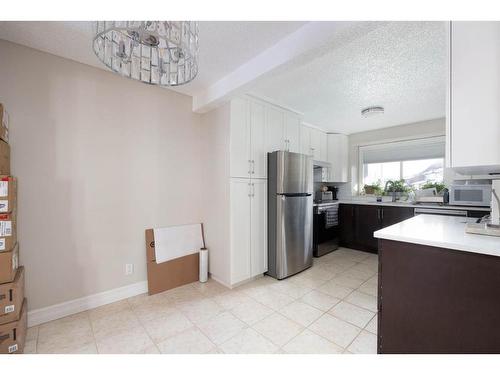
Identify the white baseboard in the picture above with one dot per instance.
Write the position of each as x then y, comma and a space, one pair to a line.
46, 314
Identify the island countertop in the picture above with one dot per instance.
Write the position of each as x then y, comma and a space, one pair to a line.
441, 231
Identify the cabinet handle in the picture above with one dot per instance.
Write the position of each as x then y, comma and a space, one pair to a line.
381, 214
249, 189
253, 190
249, 167
253, 166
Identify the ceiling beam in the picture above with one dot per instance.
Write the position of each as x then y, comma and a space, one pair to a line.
308, 38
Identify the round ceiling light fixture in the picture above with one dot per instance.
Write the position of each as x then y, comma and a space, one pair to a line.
163, 53
372, 111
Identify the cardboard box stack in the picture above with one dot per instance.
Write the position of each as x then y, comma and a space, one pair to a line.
13, 305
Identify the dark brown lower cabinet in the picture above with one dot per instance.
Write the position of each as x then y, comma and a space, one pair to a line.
435, 300
358, 222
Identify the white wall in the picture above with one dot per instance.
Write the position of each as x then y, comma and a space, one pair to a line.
99, 159
393, 133
216, 202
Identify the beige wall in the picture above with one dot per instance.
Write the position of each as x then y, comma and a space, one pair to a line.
99, 159
216, 189
400, 132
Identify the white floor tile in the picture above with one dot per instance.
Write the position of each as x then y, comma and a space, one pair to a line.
348, 281
248, 341
363, 300
335, 290
291, 289
365, 343
335, 330
221, 328
274, 300
301, 313
307, 342
230, 300
133, 341
200, 309
369, 288
278, 329
319, 300
372, 326
191, 341
167, 326
251, 311
352, 314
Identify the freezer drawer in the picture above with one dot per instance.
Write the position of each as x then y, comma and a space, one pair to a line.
293, 243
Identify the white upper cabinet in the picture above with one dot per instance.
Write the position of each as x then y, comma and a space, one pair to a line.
292, 132
258, 146
473, 118
240, 162
275, 129
305, 140
313, 142
338, 156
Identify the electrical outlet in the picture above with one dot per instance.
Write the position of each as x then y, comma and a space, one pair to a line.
129, 269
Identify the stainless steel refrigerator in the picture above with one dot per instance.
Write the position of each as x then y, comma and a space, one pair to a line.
290, 210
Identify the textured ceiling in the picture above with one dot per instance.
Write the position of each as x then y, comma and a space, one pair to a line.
224, 46
398, 65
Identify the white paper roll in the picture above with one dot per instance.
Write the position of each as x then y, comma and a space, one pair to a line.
203, 265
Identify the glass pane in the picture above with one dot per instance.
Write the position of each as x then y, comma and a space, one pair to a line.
418, 172
381, 172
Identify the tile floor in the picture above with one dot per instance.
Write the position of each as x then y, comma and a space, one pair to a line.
329, 308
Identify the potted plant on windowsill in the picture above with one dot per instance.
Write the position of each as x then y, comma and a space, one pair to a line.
396, 189
373, 189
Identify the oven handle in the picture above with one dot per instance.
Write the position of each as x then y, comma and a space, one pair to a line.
436, 211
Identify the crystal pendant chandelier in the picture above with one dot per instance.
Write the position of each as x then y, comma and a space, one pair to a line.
161, 53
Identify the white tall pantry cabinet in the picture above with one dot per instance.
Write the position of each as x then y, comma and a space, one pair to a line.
473, 118
256, 128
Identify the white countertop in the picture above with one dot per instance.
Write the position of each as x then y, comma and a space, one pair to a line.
413, 205
441, 231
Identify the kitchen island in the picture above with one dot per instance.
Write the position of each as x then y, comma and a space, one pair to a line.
439, 288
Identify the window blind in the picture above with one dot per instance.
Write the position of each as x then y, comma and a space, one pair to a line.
425, 148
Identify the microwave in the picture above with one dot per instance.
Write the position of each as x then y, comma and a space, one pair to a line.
470, 195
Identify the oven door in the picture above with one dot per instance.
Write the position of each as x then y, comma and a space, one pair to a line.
470, 195
325, 239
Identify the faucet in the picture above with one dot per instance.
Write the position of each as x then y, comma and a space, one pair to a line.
392, 186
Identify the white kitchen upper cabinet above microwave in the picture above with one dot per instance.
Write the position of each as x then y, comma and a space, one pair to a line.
338, 157
473, 113
313, 142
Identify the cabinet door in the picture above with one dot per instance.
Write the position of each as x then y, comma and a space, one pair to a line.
292, 132
323, 146
258, 241
346, 224
305, 140
240, 139
394, 215
240, 230
475, 94
367, 222
275, 132
338, 157
258, 149
316, 144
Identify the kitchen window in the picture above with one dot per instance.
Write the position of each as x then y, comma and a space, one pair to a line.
416, 161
